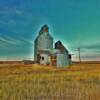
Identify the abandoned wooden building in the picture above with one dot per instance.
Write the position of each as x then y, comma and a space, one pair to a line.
45, 54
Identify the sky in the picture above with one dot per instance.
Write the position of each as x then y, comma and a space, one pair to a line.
75, 22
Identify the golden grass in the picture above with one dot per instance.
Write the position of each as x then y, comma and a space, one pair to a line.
35, 82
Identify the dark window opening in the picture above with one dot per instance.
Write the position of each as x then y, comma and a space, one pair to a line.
42, 58
70, 56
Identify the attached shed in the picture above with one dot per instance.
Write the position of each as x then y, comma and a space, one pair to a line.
62, 60
63, 57
44, 57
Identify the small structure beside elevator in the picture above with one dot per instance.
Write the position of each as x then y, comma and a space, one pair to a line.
45, 54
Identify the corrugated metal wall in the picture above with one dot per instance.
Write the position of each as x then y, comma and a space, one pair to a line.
62, 60
44, 42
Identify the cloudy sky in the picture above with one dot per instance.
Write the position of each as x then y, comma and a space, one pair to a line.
75, 22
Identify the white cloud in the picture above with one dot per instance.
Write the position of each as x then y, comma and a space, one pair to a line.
6, 40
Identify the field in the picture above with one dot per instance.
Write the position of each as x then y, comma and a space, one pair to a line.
35, 82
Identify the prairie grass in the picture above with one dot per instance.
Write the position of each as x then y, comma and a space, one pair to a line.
35, 82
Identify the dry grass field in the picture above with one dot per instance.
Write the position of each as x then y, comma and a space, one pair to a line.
33, 82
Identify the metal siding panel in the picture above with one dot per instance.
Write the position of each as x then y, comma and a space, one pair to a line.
45, 42
62, 60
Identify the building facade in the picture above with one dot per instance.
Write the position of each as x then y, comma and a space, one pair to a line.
44, 41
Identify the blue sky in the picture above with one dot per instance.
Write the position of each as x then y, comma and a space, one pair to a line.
75, 22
